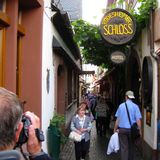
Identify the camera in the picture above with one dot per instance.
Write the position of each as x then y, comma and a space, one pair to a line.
24, 133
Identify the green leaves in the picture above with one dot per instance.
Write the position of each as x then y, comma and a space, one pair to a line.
58, 123
142, 13
93, 48
57, 120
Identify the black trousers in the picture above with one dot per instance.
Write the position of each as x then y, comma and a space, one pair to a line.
127, 146
81, 149
101, 125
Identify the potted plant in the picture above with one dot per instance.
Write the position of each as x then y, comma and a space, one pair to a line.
55, 135
57, 121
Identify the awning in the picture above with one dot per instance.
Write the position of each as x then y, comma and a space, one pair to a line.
64, 28
64, 44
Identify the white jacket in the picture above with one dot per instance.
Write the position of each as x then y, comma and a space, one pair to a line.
113, 145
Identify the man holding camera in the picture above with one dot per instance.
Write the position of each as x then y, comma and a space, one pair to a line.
11, 126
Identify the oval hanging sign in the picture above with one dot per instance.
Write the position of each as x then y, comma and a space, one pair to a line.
118, 26
117, 57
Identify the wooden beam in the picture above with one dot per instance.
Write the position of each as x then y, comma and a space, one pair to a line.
87, 72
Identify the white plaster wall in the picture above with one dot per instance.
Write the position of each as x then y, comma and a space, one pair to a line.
150, 132
48, 60
73, 106
48, 101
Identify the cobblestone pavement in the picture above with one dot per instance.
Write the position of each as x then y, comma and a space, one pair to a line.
97, 149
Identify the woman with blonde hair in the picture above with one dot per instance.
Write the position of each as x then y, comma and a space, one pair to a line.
87, 110
81, 123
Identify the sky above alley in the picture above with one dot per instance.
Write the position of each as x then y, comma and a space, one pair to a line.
92, 10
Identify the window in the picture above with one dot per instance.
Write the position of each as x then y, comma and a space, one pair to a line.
69, 85
75, 85
72, 85
19, 41
20, 34
147, 82
4, 22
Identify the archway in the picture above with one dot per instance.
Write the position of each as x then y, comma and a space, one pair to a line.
133, 75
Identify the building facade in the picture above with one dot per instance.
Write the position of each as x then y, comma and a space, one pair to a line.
43, 75
141, 74
21, 50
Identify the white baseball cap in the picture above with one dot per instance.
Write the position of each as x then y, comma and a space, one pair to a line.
130, 94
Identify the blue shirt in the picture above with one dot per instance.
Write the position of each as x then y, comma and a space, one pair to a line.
122, 116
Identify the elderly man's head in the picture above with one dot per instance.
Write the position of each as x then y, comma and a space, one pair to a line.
10, 117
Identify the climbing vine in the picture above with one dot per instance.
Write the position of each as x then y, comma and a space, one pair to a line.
93, 48
142, 14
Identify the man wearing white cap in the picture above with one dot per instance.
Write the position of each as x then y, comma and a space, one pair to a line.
123, 126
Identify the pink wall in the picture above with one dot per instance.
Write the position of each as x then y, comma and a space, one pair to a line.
11, 47
32, 60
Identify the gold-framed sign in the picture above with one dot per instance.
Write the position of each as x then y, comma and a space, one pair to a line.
118, 26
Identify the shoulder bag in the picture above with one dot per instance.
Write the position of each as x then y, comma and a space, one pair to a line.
75, 136
135, 133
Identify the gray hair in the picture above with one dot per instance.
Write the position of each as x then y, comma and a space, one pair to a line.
10, 116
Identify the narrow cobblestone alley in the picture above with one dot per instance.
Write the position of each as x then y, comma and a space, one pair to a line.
97, 149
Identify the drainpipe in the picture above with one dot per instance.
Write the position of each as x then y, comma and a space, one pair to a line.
154, 54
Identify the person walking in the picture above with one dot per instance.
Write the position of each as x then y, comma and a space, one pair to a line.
101, 116
81, 123
92, 103
123, 127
